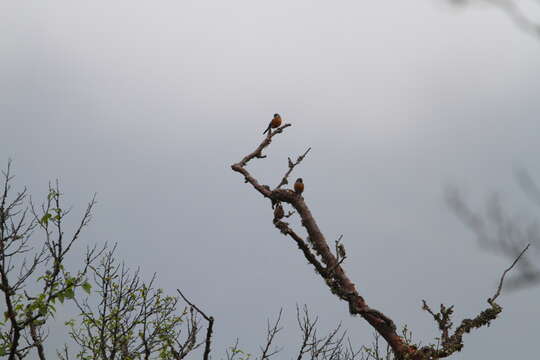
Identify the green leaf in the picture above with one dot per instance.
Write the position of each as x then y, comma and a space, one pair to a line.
87, 287
45, 219
39, 322
70, 294
52, 194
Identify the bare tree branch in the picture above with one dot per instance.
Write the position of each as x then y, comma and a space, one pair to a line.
292, 165
329, 266
209, 329
332, 272
271, 332
499, 288
453, 343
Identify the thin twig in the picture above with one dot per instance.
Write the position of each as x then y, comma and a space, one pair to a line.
209, 330
499, 288
292, 165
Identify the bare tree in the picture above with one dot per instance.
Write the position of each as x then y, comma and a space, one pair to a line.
334, 345
329, 266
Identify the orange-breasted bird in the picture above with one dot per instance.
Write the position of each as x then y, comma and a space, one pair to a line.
299, 186
274, 123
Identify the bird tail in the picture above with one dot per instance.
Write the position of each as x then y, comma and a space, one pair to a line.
267, 129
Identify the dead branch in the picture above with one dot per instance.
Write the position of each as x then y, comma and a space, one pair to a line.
329, 266
453, 343
504, 274
319, 255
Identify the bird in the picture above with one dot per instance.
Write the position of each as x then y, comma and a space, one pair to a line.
299, 186
274, 123
278, 213
341, 251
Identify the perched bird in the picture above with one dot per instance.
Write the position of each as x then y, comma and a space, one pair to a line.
274, 123
299, 186
341, 251
278, 213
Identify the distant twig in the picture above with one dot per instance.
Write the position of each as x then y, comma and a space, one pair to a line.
271, 333
209, 330
292, 165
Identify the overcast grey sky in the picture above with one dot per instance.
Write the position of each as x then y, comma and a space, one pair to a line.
148, 104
